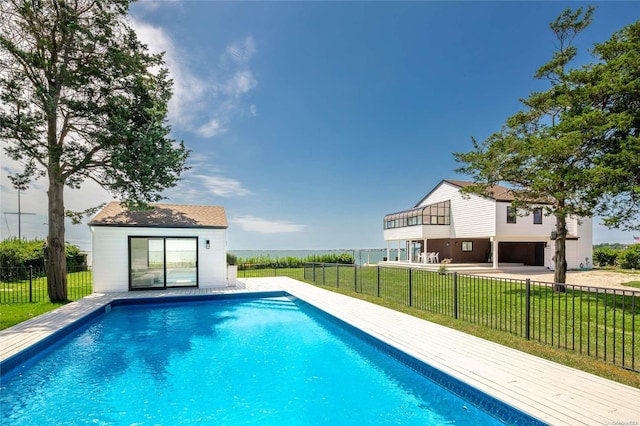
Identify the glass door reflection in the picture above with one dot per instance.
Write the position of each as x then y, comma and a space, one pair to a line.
147, 262
182, 262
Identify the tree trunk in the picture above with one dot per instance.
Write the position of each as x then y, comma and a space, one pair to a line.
560, 258
56, 255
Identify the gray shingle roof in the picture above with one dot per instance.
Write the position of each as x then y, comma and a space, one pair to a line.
162, 215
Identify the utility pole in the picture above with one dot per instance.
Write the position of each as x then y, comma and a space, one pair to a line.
20, 184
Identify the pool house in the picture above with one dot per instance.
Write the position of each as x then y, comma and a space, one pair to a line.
168, 246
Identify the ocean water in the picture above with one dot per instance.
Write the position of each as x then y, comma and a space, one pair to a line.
361, 256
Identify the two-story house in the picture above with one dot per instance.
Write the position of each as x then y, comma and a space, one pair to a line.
478, 229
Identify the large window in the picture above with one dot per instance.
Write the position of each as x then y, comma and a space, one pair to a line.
160, 262
433, 214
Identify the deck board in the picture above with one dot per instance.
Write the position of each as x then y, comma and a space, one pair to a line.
551, 392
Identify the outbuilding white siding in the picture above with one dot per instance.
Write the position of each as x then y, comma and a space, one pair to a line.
111, 255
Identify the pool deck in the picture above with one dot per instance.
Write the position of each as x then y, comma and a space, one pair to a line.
550, 392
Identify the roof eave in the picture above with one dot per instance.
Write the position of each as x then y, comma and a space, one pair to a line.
135, 225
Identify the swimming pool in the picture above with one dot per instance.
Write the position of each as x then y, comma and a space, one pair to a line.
231, 361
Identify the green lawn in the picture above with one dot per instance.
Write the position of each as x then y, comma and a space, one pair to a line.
14, 297
79, 284
15, 313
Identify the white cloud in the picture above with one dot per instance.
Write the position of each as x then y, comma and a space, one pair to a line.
253, 110
241, 83
204, 104
210, 129
153, 5
222, 186
265, 226
241, 52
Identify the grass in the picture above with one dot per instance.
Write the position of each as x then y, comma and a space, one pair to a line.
15, 313
79, 284
14, 297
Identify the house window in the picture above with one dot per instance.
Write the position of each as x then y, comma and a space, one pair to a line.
511, 214
467, 246
433, 214
537, 215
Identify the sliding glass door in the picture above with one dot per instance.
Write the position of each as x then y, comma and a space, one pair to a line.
161, 262
182, 258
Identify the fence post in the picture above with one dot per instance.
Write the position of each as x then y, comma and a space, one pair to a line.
378, 279
410, 286
527, 314
337, 275
355, 277
30, 283
455, 295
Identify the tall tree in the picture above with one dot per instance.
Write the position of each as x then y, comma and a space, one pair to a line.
542, 154
82, 98
609, 89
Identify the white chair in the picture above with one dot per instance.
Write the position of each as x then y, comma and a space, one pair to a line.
435, 257
431, 257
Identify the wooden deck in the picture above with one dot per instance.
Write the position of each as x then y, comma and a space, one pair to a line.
548, 391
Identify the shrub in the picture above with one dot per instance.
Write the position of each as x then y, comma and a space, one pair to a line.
263, 262
605, 256
15, 253
630, 258
21, 253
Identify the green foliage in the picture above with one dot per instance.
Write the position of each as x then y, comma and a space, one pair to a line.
605, 256
576, 146
630, 258
608, 91
612, 246
21, 253
15, 253
82, 98
263, 262
232, 259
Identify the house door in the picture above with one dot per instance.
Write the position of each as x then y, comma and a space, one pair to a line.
161, 262
182, 262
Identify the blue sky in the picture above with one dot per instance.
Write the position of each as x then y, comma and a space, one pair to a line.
309, 121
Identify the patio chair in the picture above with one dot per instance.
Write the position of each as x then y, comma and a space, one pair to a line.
435, 257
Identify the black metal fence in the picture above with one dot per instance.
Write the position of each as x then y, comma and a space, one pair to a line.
600, 322
29, 284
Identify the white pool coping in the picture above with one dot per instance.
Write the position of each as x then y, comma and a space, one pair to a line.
550, 392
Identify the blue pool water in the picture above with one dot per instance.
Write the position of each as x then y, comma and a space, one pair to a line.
271, 361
